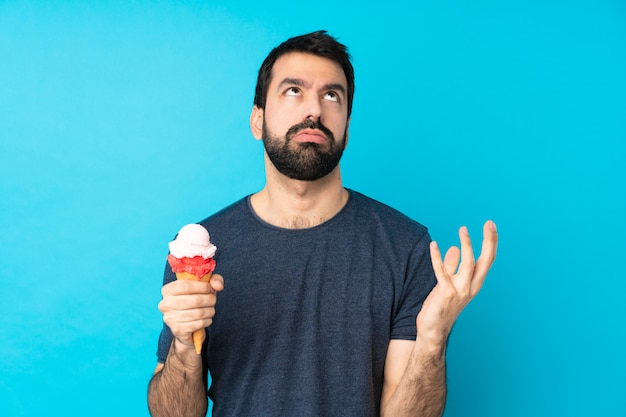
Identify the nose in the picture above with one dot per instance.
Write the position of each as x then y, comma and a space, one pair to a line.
312, 108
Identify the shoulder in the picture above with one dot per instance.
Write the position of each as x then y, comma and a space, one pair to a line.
230, 219
234, 210
229, 223
385, 216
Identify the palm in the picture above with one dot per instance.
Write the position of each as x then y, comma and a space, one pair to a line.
459, 278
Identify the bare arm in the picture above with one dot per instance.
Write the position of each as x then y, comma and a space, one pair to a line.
178, 388
415, 372
415, 380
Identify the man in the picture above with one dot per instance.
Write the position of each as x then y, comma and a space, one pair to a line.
332, 304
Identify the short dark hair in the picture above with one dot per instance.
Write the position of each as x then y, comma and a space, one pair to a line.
316, 43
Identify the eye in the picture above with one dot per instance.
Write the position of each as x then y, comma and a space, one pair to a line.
331, 96
292, 91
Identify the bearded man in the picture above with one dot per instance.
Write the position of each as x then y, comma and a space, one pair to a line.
325, 302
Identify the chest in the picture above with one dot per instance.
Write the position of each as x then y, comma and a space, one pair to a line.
330, 288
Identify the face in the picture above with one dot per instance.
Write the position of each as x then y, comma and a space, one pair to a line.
304, 125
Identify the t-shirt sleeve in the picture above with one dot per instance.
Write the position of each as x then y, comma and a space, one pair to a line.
418, 283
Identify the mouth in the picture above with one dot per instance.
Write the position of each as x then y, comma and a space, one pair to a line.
310, 135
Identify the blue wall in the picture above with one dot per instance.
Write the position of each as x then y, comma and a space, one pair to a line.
122, 121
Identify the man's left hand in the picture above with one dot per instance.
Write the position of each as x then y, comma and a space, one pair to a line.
456, 285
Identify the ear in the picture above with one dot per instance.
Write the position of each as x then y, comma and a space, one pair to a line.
256, 122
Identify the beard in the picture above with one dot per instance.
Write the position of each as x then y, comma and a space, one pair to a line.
304, 161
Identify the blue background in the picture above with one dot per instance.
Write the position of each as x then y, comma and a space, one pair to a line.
122, 121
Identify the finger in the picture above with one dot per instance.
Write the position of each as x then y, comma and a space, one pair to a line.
451, 260
192, 316
184, 331
186, 302
467, 253
438, 267
183, 287
217, 282
487, 253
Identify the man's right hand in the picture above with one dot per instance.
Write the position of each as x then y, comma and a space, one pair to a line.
189, 305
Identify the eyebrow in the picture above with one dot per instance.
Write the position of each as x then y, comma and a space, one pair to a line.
301, 83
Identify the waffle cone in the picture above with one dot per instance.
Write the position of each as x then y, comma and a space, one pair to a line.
200, 334
190, 276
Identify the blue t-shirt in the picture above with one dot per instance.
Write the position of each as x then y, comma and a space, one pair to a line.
303, 323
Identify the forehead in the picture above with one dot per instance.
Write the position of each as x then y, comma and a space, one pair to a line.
309, 67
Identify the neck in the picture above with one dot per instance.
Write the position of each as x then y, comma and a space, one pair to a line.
295, 204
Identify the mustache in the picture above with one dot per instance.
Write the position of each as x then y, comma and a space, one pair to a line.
310, 124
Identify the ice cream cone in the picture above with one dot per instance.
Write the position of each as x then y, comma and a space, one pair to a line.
191, 258
200, 334
193, 277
